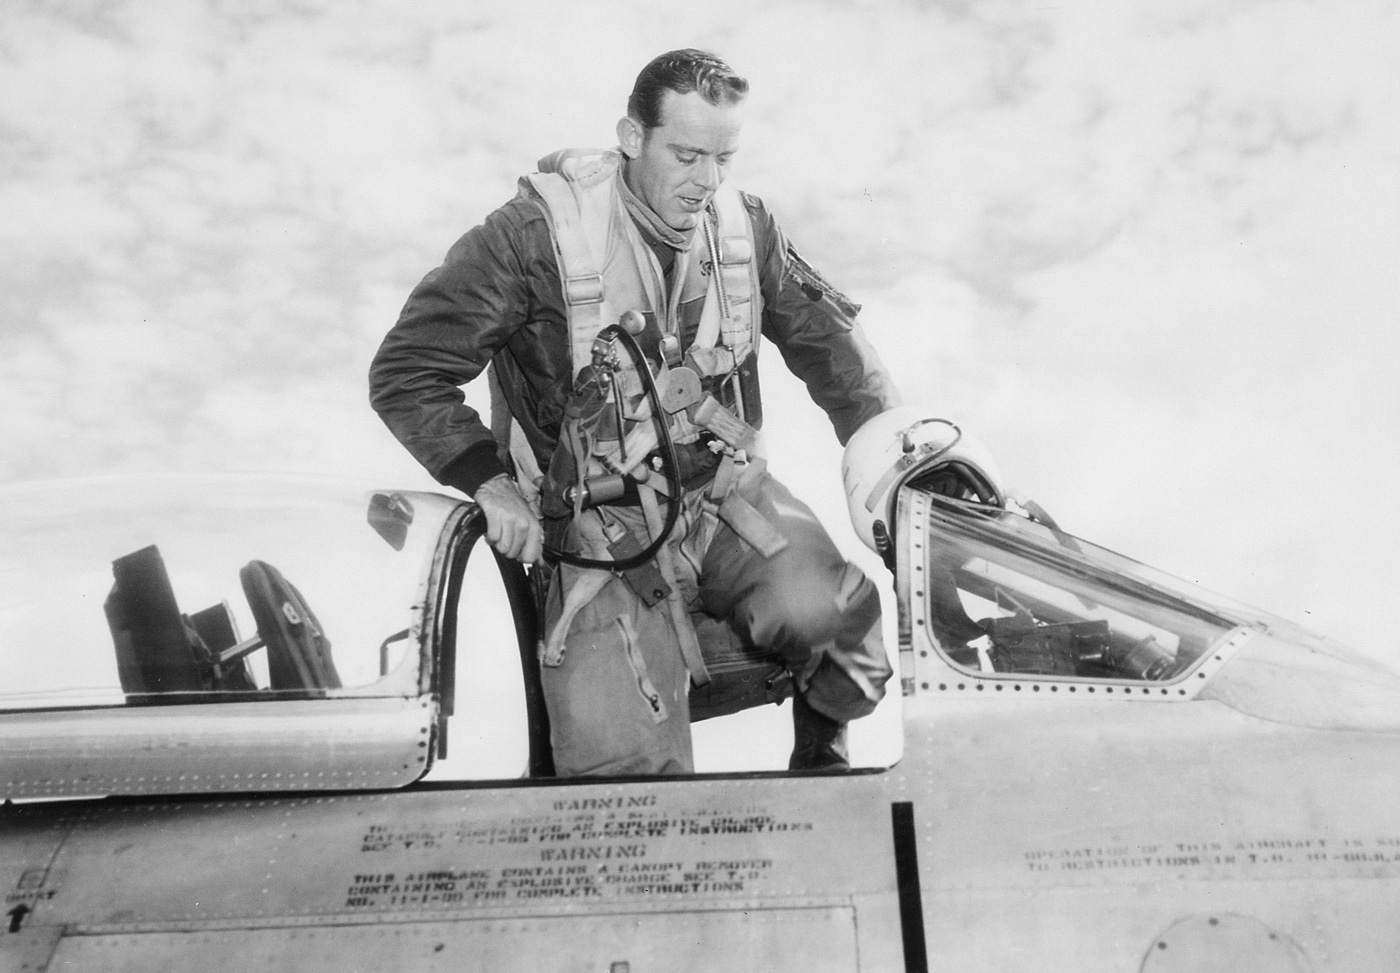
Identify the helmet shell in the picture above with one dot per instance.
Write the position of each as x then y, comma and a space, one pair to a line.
905, 444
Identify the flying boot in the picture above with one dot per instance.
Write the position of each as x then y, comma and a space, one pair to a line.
818, 741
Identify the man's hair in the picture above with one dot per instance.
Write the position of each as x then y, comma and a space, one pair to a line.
683, 71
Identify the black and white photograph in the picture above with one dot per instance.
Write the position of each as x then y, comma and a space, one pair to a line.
630, 487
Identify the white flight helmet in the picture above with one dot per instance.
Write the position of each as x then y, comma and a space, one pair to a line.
907, 444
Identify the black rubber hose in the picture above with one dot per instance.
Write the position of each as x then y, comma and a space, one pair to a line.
668, 458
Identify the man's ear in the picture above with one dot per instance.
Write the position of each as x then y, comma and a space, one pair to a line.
630, 136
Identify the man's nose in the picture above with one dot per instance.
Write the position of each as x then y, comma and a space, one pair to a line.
707, 176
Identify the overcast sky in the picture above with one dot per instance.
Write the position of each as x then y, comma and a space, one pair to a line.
1148, 251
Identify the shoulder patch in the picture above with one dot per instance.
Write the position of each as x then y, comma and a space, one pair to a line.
815, 286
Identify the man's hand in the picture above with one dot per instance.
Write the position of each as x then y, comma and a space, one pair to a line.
511, 525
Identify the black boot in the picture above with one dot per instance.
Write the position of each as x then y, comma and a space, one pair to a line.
818, 741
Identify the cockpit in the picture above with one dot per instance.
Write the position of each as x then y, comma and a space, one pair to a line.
997, 595
189, 590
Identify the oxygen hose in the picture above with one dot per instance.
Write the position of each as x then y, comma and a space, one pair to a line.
668, 458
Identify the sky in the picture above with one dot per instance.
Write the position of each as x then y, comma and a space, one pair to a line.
1146, 251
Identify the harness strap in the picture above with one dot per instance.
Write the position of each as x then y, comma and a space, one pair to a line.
752, 527
730, 321
738, 514
569, 215
587, 586
680, 618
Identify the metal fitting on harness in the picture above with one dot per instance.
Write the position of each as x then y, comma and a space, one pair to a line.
670, 348
596, 490
726, 425
604, 356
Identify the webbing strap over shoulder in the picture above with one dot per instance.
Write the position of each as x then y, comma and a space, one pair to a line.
737, 267
584, 285
576, 191
572, 215
732, 318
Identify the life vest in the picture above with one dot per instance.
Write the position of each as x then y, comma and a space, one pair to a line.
607, 269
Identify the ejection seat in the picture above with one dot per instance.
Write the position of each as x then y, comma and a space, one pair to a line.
298, 652
161, 651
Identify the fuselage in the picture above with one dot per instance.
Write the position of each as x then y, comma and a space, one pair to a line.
1042, 837
1099, 772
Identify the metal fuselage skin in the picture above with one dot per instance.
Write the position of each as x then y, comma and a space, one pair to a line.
1013, 834
1245, 816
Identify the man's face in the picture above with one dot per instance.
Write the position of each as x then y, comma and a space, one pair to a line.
676, 167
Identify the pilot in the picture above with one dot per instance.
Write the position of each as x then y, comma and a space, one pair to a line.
619, 299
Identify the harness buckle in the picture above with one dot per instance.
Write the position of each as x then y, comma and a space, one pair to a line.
583, 290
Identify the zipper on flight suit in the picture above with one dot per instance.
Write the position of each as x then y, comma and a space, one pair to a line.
645, 687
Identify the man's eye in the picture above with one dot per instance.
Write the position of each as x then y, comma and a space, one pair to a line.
686, 160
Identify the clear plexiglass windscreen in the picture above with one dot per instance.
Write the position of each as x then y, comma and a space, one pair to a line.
125, 591
1005, 595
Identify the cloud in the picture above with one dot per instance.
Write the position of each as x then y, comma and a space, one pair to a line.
1146, 250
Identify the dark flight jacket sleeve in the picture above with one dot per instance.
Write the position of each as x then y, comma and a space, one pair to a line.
815, 328
452, 325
